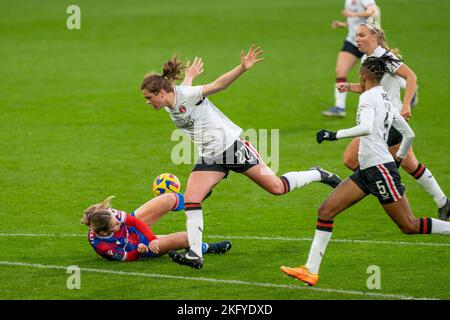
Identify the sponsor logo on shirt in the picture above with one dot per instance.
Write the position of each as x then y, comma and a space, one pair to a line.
187, 122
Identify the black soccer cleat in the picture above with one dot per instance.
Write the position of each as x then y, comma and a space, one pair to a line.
444, 212
219, 247
188, 258
328, 178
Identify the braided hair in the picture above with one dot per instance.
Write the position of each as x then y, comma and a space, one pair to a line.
377, 67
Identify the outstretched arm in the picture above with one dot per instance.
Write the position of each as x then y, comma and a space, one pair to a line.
364, 128
192, 71
221, 83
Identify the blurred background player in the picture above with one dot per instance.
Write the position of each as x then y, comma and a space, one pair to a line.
119, 236
218, 142
377, 175
356, 12
371, 41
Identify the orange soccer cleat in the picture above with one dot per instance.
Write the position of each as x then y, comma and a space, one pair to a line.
301, 273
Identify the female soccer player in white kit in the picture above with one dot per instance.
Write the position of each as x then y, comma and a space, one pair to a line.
356, 12
371, 41
219, 145
377, 175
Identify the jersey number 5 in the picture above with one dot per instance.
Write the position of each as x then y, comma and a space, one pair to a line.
381, 187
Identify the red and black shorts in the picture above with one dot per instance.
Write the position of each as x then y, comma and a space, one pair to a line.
383, 181
240, 157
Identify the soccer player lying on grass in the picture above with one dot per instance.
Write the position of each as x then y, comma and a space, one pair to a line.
119, 236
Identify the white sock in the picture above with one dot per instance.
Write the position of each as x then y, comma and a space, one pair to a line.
429, 183
194, 227
440, 227
298, 179
319, 244
339, 98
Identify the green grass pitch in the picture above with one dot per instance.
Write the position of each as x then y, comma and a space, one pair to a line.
75, 129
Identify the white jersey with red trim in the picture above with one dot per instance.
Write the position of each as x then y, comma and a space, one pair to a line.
373, 149
210, 130
358, 6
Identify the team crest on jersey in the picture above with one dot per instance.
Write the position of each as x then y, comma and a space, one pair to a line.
354, 2
182, 109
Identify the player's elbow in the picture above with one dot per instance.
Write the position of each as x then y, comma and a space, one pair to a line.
411, 77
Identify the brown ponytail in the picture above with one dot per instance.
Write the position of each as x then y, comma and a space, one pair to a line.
153, 83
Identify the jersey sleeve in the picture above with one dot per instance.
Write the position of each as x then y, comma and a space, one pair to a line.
140, 226
393, 67
408, 135
110, 251
366, 118
192, 94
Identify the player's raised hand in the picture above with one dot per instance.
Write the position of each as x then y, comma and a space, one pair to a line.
142, 248
251, 58
195, 69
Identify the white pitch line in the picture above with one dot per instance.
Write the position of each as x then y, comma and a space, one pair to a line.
221, 281
400, 243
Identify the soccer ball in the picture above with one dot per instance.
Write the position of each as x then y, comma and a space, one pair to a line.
166, 182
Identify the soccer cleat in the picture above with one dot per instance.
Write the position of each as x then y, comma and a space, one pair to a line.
188, 258
301, 273
219, 247
444, 212
328, 178
334, 112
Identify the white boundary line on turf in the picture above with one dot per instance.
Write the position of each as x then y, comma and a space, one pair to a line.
400, 243
220, 281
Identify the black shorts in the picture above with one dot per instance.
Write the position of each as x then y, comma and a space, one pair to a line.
383, 181
240, 157
394, 137
349, 47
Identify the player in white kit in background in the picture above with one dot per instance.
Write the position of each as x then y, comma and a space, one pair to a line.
219, 145
356, 12
377, 175
372, 42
